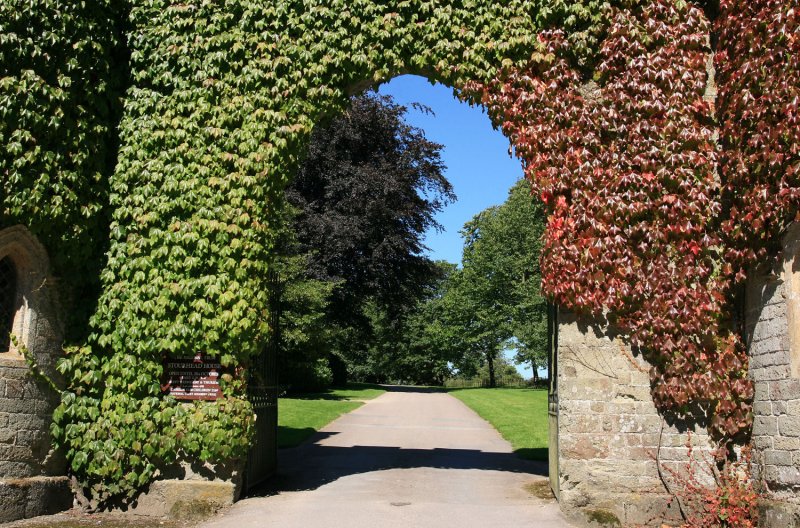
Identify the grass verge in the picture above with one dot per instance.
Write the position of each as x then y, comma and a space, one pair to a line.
301, 415
520, 415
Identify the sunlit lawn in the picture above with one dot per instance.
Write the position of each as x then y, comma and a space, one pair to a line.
300, 416
520, 415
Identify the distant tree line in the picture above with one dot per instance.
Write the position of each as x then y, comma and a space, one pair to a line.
358, 298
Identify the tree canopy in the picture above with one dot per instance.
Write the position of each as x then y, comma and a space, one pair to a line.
494, 302
364, 196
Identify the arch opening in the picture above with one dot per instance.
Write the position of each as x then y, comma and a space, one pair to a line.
27, 311
8, 301
490, 177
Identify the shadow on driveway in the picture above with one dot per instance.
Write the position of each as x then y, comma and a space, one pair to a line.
311, 465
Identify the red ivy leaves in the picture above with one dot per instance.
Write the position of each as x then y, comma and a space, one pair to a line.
627, 168
758, 65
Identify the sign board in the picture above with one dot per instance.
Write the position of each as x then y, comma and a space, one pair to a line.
192, 378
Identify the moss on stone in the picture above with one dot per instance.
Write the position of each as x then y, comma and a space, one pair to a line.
602, 517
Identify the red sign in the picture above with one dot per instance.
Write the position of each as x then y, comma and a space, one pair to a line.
192, 378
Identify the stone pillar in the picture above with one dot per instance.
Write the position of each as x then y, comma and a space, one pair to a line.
611, 435
773, 340
31, 471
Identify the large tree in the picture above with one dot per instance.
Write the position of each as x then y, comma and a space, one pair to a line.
416, 348
299, 304
366, 193
517, 236
494, 301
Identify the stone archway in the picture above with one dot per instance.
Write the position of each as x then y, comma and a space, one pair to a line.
222, 102
223, 98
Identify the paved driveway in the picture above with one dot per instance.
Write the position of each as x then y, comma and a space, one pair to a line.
406, 459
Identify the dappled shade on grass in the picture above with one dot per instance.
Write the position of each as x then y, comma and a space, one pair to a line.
520, 415
300, 416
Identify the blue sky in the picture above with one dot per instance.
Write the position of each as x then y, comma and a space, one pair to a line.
476, 156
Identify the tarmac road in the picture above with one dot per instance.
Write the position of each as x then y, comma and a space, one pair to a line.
409, 458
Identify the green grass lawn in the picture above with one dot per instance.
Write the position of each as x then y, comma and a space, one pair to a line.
520, 415
301, 415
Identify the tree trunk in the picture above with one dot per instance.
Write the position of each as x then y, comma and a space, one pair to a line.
535, 372
338, 369
490, 359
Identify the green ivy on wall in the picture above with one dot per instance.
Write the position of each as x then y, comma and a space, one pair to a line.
220, 99
61, 77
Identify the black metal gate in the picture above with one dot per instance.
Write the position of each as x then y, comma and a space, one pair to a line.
262, 460
552, 397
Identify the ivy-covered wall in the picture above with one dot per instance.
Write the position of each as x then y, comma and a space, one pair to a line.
627, 164
62, 69
219, 100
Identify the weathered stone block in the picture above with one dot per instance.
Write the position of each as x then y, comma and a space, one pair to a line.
20, 452
651, 439
761, 390
583, 447
29, 497
784, 442
622, 406
765, 425
782, 475
15, 388
184, 499
12, 405
631, 440
779, 458
643, 509
597, 407
28, 421
581, 424
776, 514
774, 373
762, 408
631, 393
7, 436
590, 389
775, 308
772, 356
15, 469
678, 454
633, 423
45, 407
13, 370
789, 425
784, 389
611, 509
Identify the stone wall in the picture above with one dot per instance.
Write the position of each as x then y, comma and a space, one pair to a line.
31, 471
26, 407
611, 436
773, 339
